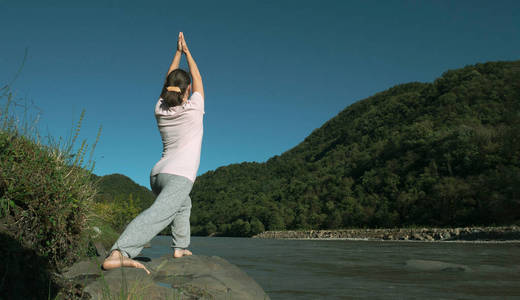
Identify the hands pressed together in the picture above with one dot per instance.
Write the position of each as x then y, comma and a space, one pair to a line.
181, 44
182, 47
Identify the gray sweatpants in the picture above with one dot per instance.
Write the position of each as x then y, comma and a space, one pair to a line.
173, 203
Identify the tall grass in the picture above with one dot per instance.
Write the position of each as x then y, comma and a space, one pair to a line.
45, 184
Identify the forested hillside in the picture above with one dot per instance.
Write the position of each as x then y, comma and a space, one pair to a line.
119, 199
445, 153
116, 187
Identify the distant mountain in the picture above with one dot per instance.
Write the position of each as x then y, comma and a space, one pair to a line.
118, 187
445, 153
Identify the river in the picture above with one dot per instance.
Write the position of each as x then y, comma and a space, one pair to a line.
346, 269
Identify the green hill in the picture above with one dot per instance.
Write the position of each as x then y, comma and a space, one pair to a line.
118, 187
445, 153
119, 199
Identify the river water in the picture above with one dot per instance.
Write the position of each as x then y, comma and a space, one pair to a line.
346, 269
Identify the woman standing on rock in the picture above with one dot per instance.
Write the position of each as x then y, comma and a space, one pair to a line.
179, 118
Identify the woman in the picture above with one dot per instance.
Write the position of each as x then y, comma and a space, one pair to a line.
179, 118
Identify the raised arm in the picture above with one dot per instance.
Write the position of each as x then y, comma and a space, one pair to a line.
177, 58
194, 70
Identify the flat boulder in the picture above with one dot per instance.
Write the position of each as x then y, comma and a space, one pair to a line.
188, 277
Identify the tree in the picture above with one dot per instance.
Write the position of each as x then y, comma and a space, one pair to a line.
256, 226
275, 222
240, 228
210, 228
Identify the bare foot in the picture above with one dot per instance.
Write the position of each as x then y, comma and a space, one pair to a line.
181, 253
117, 260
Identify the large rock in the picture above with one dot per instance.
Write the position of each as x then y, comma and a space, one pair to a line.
189, 277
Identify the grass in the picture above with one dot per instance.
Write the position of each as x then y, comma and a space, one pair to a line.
46, 192
44, 186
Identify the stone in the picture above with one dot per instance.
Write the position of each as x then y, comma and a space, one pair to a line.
188, 277
417, 237
433, 265
440, 234
404, 237
83, 270
100, 249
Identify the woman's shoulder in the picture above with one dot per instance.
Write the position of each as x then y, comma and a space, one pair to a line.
197, 101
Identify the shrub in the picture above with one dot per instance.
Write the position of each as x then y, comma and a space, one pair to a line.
45, 189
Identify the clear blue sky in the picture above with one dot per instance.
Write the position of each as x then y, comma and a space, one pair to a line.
273, 70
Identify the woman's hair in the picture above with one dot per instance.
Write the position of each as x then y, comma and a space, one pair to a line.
178, 78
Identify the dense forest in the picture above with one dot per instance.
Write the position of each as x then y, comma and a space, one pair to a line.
445, 153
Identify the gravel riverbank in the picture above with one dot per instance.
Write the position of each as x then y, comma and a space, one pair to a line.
503, 233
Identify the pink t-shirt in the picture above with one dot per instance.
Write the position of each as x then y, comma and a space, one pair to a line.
181, 132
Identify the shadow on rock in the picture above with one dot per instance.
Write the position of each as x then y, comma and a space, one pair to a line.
22, 268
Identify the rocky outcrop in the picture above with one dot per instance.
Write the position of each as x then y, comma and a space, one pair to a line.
412, 234
189, 277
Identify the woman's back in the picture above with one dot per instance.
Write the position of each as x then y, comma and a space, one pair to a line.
181, 129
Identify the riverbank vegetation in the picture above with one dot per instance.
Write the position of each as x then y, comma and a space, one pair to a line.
441, 154
46, 192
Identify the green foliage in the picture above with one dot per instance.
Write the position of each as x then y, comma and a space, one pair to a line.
45, 189
256, 226
119, 200
210, 228
240, 227
445, 153
114, 187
